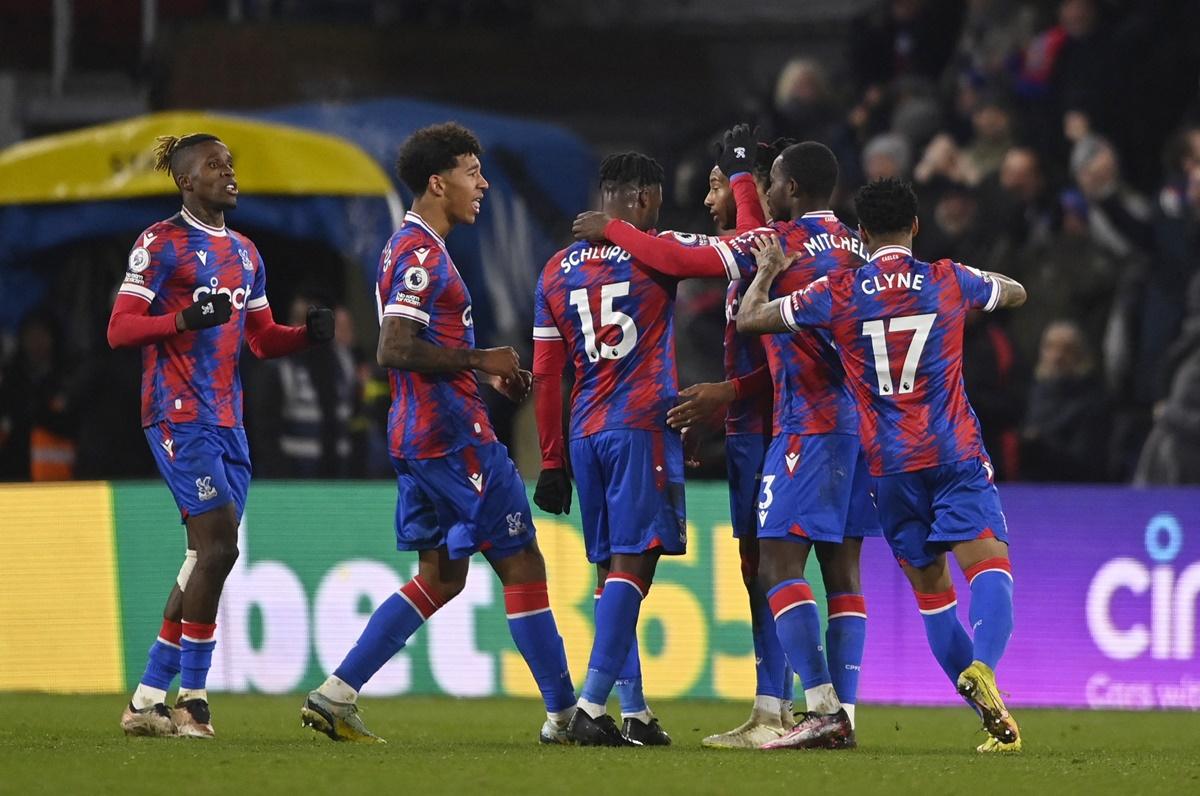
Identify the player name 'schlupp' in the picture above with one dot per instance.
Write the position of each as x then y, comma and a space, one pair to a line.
902, 279
579, 256
825, 242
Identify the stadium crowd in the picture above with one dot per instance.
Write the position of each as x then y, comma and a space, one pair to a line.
1034, 152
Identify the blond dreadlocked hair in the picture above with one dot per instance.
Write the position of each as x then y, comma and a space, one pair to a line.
167, 146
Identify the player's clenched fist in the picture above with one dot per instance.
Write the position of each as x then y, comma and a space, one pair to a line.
502, 362
319, 324
553, 492
212, 310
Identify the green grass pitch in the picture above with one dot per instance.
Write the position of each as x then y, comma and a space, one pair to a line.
60, 744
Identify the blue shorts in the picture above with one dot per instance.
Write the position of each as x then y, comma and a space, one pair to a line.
630, 485
470, 500
744, 463
816, 488
205, 466
925, 512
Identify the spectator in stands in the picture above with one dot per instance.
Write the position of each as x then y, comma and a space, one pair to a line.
1068, 276
1020, 209
1118, 216
886, 155
1064, 434
37, 426
1171, 455
992, 124
903, 37
304, 404
803, 106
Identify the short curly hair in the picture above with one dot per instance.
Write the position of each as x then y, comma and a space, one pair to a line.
432, 150
885, 206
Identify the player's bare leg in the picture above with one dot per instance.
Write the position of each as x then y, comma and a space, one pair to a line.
798, 624
846, 630
531, 622
771, 715
213, 535
332, 709
616, 626
986, 565
638, 722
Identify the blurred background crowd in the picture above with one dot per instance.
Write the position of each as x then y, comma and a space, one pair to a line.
1056, 142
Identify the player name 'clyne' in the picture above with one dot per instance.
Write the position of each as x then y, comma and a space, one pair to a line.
903, 279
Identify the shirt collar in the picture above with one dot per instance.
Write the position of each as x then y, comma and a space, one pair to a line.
192, 221
826, 214
414, 218
904, 250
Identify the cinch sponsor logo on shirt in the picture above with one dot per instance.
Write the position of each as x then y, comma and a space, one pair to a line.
579, 256
237, 296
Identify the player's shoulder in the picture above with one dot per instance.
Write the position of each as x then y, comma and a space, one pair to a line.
413, 242
160, 232
687, 238
743, 242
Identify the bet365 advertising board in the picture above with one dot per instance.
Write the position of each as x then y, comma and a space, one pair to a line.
1107, 581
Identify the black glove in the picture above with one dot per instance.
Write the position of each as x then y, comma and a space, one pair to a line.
553, 492
212, 310
320, 324
738, 149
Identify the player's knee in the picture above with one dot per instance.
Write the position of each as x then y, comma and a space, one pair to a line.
217, 557
447, 590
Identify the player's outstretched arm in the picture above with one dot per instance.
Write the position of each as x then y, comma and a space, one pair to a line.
664, 255
268, 339
758, 314
1012, 292
401, 349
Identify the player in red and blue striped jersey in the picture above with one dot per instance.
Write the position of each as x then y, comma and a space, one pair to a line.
898, 326
193, 291
744, 397
815, 490
614, 319
458, 491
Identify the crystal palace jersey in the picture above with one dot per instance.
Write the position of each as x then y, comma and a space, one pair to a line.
432, 414
811, 393
193, 377
743, 355
898, 326
617, 319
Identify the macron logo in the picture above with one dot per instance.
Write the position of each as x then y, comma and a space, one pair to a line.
422, 253
147, 239
477, 482
169, 446
762, 517
790, 459
203, 257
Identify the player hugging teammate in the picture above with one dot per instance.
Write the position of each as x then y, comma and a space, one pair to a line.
845, 416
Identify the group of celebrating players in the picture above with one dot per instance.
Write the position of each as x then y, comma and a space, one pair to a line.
845, 418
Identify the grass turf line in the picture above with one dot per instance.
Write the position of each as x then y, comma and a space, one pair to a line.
61, 744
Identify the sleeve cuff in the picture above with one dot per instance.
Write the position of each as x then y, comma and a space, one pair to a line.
546, 333
145, 294
993, 299
785, 310
260, 303
727, 260
405, 311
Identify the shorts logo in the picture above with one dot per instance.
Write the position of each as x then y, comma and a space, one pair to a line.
139, 260
204, 488
169, 446
516, 523
416, 278
790, 459
991, 473
477, 482
246, 264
